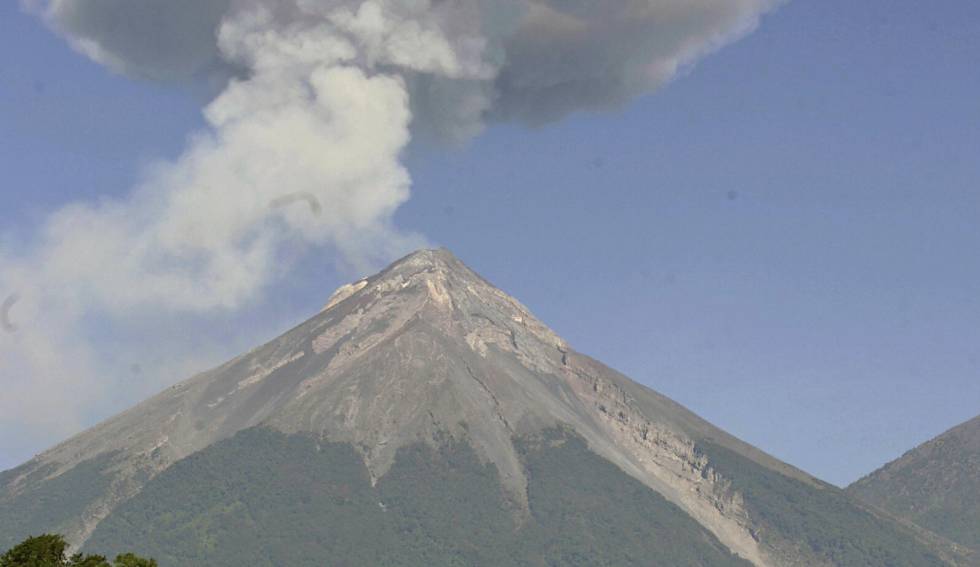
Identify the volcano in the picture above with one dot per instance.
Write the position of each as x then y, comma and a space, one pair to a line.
424, 417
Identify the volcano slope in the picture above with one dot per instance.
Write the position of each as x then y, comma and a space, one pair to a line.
424, 417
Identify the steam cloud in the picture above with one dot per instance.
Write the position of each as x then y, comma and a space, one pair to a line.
318, 98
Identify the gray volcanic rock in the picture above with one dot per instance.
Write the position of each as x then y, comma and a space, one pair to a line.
428, 351
936, 485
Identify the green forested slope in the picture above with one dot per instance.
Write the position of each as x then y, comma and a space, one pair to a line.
262, 498
935, 485
41, 505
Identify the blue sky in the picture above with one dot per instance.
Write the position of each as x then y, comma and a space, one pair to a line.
784, 239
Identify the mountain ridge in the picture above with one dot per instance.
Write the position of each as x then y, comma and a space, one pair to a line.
935, 485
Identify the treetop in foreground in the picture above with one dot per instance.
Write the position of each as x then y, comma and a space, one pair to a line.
50, 550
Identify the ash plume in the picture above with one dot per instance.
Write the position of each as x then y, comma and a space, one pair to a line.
317, 98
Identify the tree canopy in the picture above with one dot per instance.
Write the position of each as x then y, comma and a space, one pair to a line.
51, 550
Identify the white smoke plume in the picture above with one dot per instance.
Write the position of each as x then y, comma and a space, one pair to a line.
316, 99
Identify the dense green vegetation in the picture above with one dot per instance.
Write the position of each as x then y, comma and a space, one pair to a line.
42, 505
956, 516
266, 499
821, 518
263, 499
50, 550
937, 485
